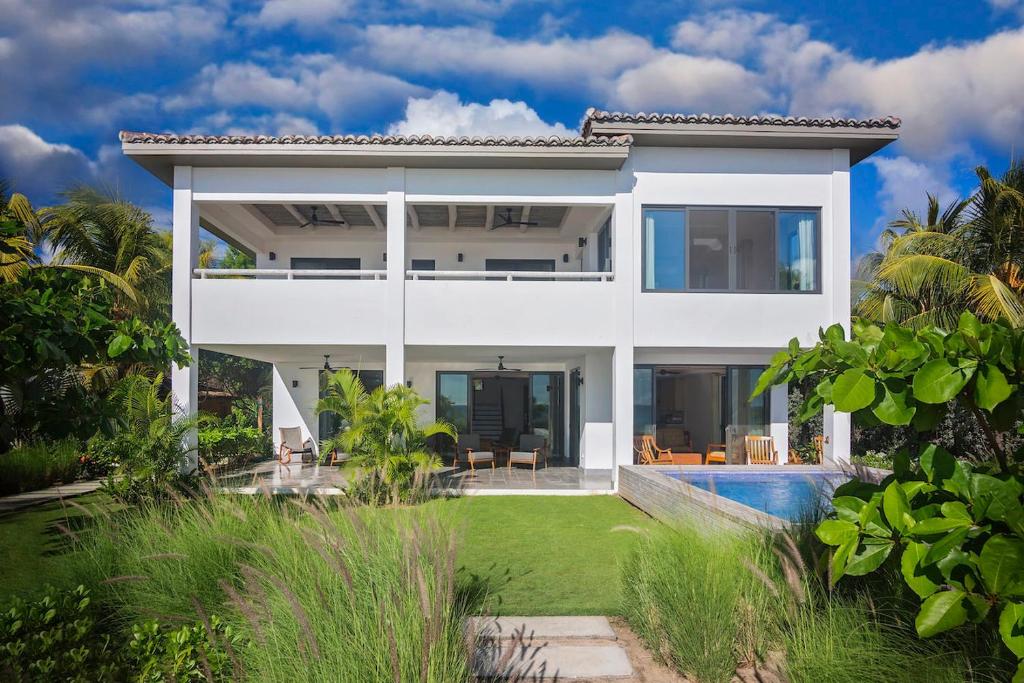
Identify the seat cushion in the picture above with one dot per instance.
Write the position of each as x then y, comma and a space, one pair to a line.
481, 456
521, 456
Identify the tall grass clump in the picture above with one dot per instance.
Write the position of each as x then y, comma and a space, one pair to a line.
320, 592
692, 599
39, 465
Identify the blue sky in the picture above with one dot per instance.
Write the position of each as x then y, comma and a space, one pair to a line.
75, 73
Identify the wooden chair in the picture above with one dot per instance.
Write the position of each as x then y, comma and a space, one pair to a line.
760, 450
532, 447
650, 454
819, 448
716, 452
292, 443
467, 447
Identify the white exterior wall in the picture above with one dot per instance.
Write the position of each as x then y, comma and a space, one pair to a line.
627, 325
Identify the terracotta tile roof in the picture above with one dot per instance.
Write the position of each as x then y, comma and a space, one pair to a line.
597, 116
357, 140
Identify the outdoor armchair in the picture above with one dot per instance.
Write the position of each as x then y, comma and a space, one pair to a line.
531, 449
760, 450
292, 443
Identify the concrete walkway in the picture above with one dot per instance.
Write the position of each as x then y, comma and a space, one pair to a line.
30, 498
562, 649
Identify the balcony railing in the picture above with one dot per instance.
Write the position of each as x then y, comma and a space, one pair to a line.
508, 275
259, 273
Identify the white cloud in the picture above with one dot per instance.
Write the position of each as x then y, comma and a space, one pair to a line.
683, 82
309, 13
444, 114
281, 123
729, 34
905, 184
38, 168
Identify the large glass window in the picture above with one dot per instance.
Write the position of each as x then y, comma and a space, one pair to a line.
643, 400
664, 249
708, 232
453, 399
730, 249
798, 250
604, 247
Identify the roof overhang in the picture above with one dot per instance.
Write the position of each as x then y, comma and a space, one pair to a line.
161, 158
862, 142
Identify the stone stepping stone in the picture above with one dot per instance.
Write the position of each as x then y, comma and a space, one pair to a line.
548, 648
543, 627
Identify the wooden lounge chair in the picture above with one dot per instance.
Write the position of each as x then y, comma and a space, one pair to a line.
795, 458
650, 454
292, 444
760, 450
467, 447
716, 453
531, 449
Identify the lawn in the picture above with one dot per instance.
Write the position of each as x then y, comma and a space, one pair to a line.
547, 554
536, 554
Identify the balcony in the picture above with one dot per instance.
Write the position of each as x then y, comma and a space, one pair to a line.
499, 308
272, 306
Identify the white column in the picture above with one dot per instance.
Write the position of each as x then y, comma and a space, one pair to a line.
837, 425
185, 253
598, 437
779, 407
625, 241
394, 361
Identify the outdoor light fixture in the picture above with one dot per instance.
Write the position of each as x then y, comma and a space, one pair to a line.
385, 257
272, 256
565, 258
460, 257
581, 242
295, 384
408, 383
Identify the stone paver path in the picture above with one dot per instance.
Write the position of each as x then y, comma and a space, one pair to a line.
24, 500
562, 649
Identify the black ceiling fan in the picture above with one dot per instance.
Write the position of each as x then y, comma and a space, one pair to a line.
326, 366
506, 220
501, 367
315, 220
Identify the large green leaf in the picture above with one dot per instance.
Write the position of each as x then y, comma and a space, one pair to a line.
870, 558
1011, 627
941, 612
1001, 562
895, 408
118, 345
895, 505
990, 387
915, 573
836, 531
936, 525
938, 381
853, 390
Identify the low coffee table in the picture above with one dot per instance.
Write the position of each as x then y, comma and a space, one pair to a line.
687, 459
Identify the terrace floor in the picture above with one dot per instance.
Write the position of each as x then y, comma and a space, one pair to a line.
310, 479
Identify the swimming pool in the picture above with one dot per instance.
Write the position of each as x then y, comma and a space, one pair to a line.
786, 495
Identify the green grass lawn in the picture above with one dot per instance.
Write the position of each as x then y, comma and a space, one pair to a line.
535, 554
547, 554
35, 545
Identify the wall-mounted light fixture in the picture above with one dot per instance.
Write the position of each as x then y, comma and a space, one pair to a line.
295, 384
385, 257
408, 383
460, 257
272, 256
565, 258
581, 242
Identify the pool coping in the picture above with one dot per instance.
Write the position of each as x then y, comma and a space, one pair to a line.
671, 500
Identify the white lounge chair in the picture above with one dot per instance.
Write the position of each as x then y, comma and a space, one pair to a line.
292, 443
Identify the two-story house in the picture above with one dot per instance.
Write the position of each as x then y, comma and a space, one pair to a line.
632, 280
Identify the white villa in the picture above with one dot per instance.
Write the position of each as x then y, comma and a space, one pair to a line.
632, 280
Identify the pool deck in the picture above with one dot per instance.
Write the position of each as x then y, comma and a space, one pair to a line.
670, 500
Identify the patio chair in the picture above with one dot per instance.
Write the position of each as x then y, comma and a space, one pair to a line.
531, 449
760, 450
650, 454
716, 453
468, 448
292, 444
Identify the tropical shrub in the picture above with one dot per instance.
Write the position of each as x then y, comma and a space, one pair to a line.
203, 651
39, 465
882, 461
56, 638
381, 432
228, 446
147, 453
954, 528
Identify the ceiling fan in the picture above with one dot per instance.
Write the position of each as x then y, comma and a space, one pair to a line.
315, 220
326, 366
501, 367
506, 220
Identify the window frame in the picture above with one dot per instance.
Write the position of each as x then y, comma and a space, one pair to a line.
731, 211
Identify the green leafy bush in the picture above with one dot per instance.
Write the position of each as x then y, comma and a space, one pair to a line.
39, 465
873, 459
231, 446
56, 638
194, 652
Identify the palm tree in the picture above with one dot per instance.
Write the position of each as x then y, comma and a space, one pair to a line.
99, 229
22, 230
967, 256
380, 429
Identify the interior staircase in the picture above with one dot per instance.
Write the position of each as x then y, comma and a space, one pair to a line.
487, 421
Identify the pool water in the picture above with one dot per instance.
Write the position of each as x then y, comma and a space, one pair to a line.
787, 495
